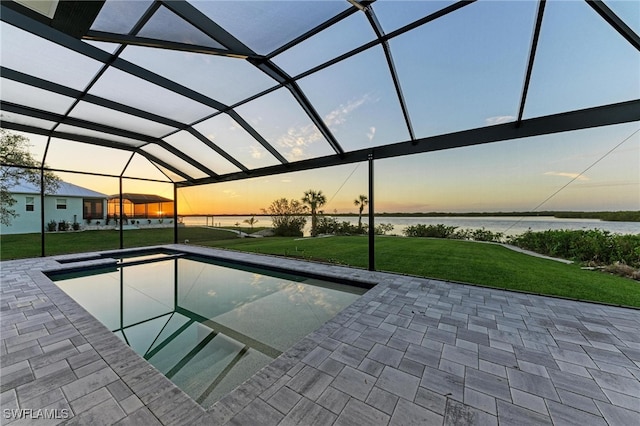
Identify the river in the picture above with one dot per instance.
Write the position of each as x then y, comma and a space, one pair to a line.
506, 225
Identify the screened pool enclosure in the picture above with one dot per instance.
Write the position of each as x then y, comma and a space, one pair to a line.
178, 94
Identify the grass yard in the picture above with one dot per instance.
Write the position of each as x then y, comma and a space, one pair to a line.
463, 261
28, 245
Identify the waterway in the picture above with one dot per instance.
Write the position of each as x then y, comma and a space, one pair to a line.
507, 225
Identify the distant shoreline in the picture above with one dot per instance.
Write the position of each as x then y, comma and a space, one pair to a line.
616, 216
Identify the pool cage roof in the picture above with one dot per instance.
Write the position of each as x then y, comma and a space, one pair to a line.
212, 91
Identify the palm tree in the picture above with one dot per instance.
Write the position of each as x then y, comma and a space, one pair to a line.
360, 202
314, 199
252, 221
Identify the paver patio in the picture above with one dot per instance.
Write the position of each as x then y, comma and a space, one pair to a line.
410, 351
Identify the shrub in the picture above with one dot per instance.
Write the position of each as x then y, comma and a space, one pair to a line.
452, 232
75, 226
485, 235
327, 225
52, 226
63, 226
383, 228
288, 217
433, 231
594, 246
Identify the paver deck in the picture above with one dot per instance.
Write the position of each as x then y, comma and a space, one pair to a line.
409, 351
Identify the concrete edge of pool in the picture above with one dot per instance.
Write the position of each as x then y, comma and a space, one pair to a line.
410, 350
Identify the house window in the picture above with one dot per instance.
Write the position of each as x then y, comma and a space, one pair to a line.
61, 203
92, 209
30, 204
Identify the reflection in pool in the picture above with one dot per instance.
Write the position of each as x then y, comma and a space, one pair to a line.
206, 325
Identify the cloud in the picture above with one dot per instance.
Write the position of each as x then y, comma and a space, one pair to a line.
371, 133
576, 176
230, 193
255, 152
499, 119
296, 139
339, 115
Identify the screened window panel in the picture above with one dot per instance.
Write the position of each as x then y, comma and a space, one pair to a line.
227, 80
121, 120
65, 128
12, 117
140, 167
581, 62
518, 175
102, 184
23, 94
628, 11
340, 38
394, 14
163, 189
117, 16
271, 23
178, 163
36, 144
170, 174
107, 47
469, 69
127, 89
52, 63
363, 109
64, 154
281, 121
166, 25
196, 149
223, 131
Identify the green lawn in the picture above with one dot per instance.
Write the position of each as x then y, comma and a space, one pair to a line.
463, 261
28, 245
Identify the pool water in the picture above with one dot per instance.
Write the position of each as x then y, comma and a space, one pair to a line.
207, 325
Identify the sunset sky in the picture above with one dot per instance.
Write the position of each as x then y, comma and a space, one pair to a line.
473, 80
503, 176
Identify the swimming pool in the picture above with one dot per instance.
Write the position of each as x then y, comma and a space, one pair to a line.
206, 324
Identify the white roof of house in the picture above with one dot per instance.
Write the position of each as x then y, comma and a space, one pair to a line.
65, 189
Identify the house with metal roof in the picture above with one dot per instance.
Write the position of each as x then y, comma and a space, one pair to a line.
69, 204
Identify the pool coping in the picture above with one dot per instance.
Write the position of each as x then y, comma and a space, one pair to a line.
50, 342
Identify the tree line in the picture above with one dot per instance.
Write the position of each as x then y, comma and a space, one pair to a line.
289, 216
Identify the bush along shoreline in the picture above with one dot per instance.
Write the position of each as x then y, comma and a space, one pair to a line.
597, 249
614, 253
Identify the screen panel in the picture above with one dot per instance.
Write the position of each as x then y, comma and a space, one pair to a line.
52, 61
467, 69
226, 133
282, 122
363, 109
127, 89
225, 79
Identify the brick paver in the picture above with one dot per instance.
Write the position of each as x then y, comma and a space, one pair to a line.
410, 351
